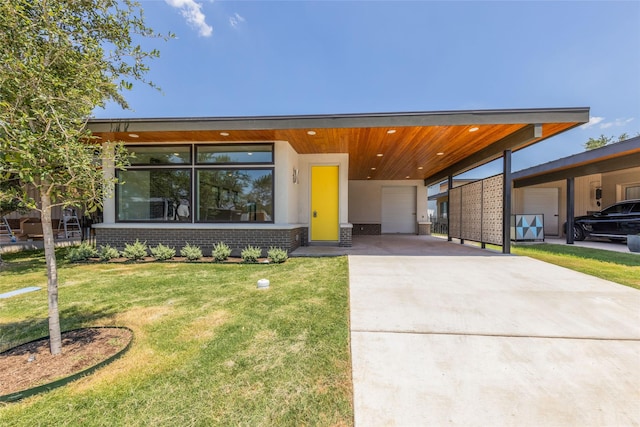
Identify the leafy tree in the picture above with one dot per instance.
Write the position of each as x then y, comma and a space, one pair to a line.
59, 60
593, 143
604, 140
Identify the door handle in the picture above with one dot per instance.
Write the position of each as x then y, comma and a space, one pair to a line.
315, 214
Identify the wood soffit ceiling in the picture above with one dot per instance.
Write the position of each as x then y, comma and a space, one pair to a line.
411, 152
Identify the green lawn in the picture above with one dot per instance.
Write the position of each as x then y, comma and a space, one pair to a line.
209, 348
619, 267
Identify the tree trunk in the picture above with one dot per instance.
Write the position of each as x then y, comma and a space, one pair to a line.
55, 337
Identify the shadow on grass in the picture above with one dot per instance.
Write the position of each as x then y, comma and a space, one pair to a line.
33, 261
17, 333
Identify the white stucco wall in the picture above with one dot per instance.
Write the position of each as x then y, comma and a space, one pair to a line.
613, 184
287, 193
365, 201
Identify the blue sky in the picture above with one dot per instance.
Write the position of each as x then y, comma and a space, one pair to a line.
245, 58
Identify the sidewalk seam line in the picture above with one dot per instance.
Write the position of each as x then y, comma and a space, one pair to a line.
494, 335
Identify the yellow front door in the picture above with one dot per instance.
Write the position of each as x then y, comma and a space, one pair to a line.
324, 203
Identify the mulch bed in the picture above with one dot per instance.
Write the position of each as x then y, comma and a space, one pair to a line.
31, 364
230, 260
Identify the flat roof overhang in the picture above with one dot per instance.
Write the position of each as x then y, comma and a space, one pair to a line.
613, 157
381, 146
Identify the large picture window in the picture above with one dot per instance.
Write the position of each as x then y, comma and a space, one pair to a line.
235, 195
155, 195
232, 183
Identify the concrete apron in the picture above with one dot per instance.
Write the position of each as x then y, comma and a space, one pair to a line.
491, 341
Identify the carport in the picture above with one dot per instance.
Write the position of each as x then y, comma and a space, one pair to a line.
619, 163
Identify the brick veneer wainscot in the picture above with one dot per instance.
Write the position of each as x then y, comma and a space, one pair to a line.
236, 239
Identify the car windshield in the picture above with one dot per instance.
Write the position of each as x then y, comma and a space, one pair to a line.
616, 209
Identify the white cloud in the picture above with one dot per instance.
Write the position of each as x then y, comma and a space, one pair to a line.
191, 10
592, 122
616, 123
236, 20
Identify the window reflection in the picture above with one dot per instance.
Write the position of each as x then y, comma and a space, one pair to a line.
236, 153
165, 155
235, 195
155, 195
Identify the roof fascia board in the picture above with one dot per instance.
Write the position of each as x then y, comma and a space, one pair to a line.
443, 118
511, 142
587, 156
607, 165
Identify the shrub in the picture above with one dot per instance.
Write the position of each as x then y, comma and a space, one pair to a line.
277, 255
251, 254
135, 251
191, 253
108, 252
81, 253
162, 252
221, 252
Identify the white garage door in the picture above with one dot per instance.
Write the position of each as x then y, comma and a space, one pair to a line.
543, 201
399, 210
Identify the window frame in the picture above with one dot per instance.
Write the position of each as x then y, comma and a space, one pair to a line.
196, 194
158, 165
193, 169
151, 221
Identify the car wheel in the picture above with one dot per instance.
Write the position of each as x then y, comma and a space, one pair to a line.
578, 233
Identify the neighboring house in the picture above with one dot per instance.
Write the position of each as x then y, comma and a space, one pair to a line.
297, 180
601, 177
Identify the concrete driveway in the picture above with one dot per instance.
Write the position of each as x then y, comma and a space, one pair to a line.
459, 339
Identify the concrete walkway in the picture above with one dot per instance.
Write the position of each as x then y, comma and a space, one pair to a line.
474, 338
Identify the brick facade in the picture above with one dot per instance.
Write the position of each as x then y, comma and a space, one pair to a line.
424, 228
205, 238
345, 237
367, 229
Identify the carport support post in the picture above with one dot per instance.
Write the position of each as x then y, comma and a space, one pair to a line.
449, 187
506, 202
570, 209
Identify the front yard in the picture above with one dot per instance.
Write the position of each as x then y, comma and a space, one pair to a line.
209, 348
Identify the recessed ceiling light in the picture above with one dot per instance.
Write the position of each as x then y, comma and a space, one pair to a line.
420, 168
224, 133
379, 154
373, 169
440, 154
134, 135
473, 129
391, 131
311, 132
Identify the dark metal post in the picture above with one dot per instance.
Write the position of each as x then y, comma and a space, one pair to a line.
449, 187
570, 209
506, 202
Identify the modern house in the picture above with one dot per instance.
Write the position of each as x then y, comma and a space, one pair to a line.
288, 181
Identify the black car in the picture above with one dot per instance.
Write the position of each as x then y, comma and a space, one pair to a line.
614, 222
